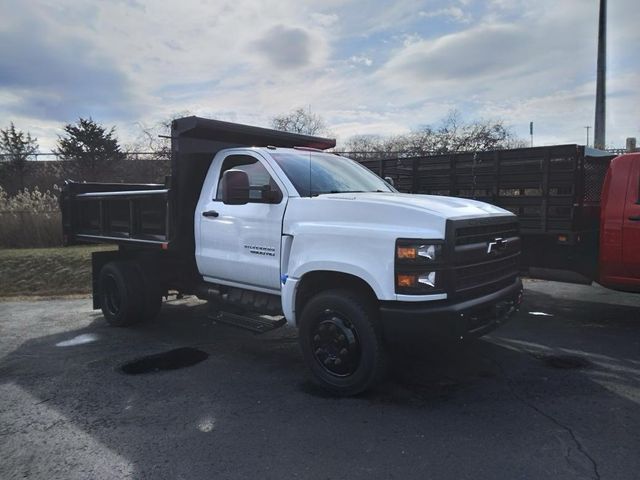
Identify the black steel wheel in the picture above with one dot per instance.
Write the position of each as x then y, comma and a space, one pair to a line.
121, 294
341, 342
336, 346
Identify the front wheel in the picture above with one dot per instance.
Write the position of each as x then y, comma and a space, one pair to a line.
341, 342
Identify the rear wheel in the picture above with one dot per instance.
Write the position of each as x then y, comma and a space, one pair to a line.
342, 343
120, 287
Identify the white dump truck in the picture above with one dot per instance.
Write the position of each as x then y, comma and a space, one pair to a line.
273, 230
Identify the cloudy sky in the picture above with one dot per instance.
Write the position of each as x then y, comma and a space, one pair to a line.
372, 67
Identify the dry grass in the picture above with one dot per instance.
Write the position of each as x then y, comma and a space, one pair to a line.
46, 271
30, 219
30, 229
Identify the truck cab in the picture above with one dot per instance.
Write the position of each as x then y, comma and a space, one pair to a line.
289, 213
284, 233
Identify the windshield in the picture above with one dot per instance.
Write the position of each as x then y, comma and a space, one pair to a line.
319, 173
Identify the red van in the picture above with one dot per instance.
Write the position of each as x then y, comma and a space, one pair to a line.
619, 259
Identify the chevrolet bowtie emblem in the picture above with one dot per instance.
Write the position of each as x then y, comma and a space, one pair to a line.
497, 244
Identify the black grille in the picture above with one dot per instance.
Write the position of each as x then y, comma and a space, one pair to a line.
478, 269
485, 274
485, 233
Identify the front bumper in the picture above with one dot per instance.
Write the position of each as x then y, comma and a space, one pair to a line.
465, 319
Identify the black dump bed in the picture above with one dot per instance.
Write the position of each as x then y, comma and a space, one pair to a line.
162, 215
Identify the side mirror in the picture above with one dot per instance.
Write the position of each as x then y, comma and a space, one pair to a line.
235, 187
390, 181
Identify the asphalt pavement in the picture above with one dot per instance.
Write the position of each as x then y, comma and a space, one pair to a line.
555, 393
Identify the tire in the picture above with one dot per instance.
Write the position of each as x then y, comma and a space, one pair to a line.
341, 342
121, 290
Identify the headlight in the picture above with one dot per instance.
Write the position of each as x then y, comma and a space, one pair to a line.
417, 282
418, 265
417, 251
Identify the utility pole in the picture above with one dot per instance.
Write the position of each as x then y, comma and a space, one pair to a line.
587, 127
599, 135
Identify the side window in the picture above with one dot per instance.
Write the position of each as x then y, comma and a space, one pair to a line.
257, 173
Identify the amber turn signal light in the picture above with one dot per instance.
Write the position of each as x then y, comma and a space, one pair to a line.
406, 280
407, 252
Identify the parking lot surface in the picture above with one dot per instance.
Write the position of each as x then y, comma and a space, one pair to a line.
555, 393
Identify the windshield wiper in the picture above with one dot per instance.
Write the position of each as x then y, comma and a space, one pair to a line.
336, 191
315, 194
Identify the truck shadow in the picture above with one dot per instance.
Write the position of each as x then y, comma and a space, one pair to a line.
250, 394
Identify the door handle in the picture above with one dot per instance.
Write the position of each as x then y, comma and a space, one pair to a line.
210, 213
635, 218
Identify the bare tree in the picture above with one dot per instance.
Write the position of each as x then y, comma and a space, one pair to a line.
372, 147
154, 138
17, 148
300, 121
364, 147
452, 134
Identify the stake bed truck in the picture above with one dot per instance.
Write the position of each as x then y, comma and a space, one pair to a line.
270, 229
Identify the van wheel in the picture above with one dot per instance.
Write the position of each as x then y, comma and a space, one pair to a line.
120, 287
341, 342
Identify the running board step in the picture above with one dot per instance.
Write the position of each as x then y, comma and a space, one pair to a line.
255, 324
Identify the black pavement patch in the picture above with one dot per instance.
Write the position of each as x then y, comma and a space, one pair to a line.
171, 360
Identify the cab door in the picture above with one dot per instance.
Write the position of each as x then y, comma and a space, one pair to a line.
631, 224
240, 244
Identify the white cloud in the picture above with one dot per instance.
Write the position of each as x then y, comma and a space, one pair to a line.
453, 12
361, 60
474, 52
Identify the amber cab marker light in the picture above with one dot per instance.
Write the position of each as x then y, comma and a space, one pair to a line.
407, 252
406, 280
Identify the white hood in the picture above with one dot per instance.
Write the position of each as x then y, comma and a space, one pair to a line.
381, 214
444, 207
